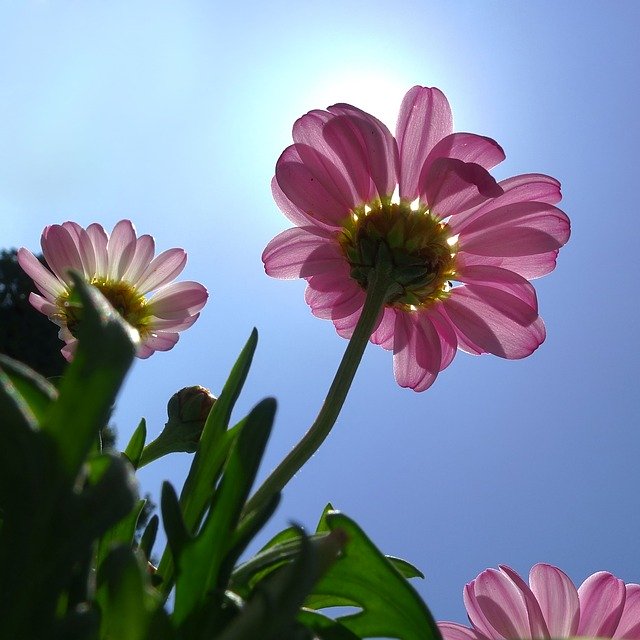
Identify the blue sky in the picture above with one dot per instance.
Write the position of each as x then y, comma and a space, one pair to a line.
173, 115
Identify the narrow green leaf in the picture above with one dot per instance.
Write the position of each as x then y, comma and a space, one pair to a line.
267, 560
149, 536
364, 577
125, 614
206, 463
271, 613
18, 417
211, 455
34, 389
89, 386
201, 559
177, 534
136, 444
244, 534
121, 533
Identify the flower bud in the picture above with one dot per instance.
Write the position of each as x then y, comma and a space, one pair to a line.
187, 411
190, 406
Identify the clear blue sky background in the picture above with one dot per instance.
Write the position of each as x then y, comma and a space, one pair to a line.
174, 113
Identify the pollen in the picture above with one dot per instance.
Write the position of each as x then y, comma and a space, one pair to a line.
421, 247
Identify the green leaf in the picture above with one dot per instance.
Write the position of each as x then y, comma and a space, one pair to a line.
149, 536
270, 614
208, 460
37, 392
20, 420
202, 558
121, 533
127, 607
407, 569
89, 386
325, 628
211, 455
177, 534
136, 444
364, 577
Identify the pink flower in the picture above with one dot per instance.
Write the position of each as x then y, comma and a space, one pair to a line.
501, 605
463, 246
123, 268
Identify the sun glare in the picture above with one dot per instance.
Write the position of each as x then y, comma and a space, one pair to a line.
378, 91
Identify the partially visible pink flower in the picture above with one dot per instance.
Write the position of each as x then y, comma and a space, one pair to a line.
122, 266
501, 606
463, 246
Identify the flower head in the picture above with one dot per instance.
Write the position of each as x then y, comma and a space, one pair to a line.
122, 266
463, 247
501, 605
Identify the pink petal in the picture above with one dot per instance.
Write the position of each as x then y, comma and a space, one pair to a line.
502, 604
162, 269
528, 267
160, 341
417, 354
537, 624
454, 631
602, 597
294, 213
60, 252
379, 147
141, 259
85, 248
46, 282
301, 252
178, 300
425, 118
331, 141
383, 335
530, 187
69, 349
629, 625
522, 229
168, 324
558, 599
308, 191
467, 147
144, 351
448, 337
99, 240
120, 248
504, 280
42, 304
87, 253
346, 325
344, 138
492, 320
450, 184
328, 291
476, 614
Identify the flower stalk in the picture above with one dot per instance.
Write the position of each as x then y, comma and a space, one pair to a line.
380, 287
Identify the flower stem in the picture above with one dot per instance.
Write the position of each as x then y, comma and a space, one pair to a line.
378, 288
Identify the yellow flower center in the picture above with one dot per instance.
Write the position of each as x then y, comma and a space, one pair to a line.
124, 298
421, 247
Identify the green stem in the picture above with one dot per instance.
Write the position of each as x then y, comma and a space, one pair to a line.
377, 291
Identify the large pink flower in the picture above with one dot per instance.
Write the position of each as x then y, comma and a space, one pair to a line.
123, 268
500, 605
463, 246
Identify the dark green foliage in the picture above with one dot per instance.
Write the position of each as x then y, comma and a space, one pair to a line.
55, 501
26, 334
70, 566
